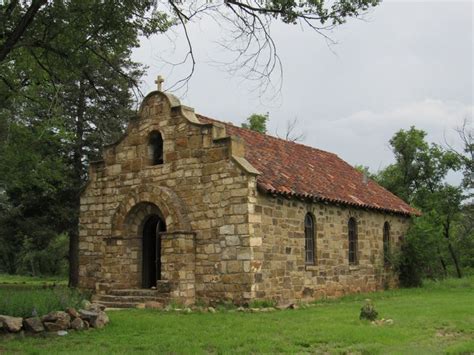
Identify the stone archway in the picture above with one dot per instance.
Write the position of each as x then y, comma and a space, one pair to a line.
131, 224
172, 209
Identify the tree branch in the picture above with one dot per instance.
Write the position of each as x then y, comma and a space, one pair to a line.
20, 28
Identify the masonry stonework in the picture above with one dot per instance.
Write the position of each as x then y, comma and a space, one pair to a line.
224, 239
278, 257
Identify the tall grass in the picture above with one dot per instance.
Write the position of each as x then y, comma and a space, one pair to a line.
26, 301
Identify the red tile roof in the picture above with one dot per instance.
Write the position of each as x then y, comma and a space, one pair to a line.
296, 170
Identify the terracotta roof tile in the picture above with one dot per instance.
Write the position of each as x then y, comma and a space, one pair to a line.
293, 169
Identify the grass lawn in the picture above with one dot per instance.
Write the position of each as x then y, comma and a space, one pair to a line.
438, 318
6, 279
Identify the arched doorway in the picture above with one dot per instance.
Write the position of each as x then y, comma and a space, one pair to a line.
151, 250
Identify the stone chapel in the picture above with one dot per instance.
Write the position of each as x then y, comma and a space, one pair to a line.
186, 208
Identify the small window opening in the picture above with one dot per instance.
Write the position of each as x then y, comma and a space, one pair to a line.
352, 227
156, 148
386, 243
309, 239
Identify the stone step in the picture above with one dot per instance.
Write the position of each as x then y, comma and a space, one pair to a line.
119, 304
128, 299
139, 292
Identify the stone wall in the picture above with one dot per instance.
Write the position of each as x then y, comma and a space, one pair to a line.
179, 265
201, 188
278, 264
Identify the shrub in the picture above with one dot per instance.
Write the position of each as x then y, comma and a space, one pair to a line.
368, 311
262, 303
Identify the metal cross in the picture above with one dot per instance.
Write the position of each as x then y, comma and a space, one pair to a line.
159, 82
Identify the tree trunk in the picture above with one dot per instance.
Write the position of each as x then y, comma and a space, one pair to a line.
443, 263
451, 250
78, 172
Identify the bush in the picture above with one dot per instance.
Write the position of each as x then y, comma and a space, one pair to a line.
368, 311
262, 303
23, 301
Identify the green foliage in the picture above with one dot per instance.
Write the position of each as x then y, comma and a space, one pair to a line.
464, 236
51, 260
256, 122
365, 170
368, 311
23, 301
418, 175
419, 168
262, 303
36, 204
436, 318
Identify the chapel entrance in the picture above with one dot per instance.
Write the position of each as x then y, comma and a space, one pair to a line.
151, 250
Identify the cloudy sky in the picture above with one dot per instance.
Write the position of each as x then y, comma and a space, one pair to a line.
408, 63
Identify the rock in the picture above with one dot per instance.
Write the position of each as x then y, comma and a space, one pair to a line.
153, 305
95, 307
78, 324
33, 324
86, 304
389, 321
62, 333
52, 326
73, 313
87, 315
95, 319
241, 309
101, 321
62, 319
11, 324
211, 309
254, 310
141, 306
287, 306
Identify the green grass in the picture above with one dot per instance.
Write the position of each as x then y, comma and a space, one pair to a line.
20, 301
6, 279
438, 318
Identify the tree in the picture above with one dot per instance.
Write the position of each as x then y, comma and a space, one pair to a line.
36, 204
418, 175
291, 134
466, 155
79, 86
257, 122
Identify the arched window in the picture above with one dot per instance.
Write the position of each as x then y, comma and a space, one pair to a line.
386, 243
155, 148
309, 240
352, 229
